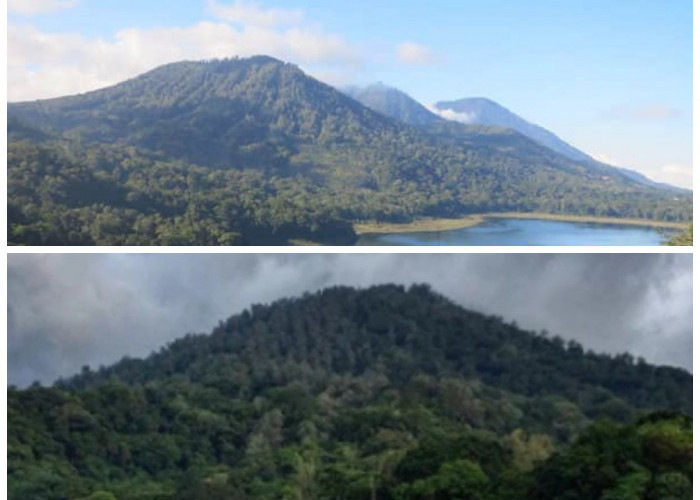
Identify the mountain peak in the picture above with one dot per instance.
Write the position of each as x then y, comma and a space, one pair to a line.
420, 327
380, 393
224, 105
393, 102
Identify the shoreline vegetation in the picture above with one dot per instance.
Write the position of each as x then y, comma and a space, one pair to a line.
439, 224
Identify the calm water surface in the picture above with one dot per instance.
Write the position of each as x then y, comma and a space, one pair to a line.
524, 232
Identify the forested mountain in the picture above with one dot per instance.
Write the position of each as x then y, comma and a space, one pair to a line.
481, 111
254, 151
384, 393
394, 103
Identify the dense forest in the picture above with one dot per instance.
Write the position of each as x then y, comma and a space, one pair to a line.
253, 151
386, 393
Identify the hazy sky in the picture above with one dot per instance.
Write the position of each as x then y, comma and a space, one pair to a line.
614, 78
65, 311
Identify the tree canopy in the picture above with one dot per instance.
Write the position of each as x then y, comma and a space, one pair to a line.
385, 393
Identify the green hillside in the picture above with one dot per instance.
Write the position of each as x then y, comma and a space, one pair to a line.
386, 393
291, 145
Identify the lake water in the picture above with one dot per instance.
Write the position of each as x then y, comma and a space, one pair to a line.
527, 232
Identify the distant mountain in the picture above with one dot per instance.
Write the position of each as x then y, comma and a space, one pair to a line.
247, 151
388, 392
394, 103
480, 111
645, 181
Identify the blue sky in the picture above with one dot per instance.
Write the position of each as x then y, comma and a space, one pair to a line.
613, 78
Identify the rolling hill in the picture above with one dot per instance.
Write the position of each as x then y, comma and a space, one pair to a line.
388, 392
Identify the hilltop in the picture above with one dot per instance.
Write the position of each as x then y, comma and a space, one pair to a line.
388, 392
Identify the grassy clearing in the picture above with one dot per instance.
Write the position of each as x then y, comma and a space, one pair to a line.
304, 243
419, 225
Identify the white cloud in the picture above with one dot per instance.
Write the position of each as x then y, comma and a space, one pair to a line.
251, 13
416, 54
43, 65
452, 115
30, 7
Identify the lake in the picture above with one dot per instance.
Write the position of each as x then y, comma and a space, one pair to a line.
527, 232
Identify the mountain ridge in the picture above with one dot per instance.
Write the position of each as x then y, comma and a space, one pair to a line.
295, 148
482, 111
392, 102
488, 112
485, 111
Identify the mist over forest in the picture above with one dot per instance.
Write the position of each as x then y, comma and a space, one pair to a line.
66, 311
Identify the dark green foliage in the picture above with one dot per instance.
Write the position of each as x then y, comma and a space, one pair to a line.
254, 151
651, 460
114, 196
386, 393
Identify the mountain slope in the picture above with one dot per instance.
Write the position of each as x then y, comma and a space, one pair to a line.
483, 111
303, 149
487, 112
424, 330
392, 102
218, 113
385, 392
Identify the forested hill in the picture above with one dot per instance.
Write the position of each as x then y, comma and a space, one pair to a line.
399, 332
303, 156
387, 393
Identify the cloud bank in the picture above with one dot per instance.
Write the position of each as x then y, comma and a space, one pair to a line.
66, 311
33, 7
43, 65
